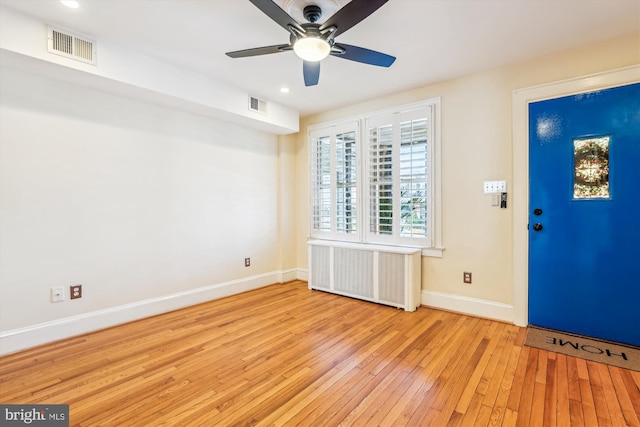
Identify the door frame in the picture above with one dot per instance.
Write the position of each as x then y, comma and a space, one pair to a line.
520, 193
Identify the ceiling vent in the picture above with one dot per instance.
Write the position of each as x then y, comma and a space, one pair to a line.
70, 45
257, 105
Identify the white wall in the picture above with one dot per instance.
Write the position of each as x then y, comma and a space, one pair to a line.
135, 201
151, 208
476, 146
121, 70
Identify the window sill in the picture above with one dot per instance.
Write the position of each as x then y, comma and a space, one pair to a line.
432, 252
426, 252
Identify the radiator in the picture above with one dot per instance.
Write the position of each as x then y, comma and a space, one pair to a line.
383, 274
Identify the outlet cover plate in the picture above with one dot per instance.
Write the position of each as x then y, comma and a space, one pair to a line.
75, 291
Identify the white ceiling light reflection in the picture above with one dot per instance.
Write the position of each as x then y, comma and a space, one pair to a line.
548, 127
73, 4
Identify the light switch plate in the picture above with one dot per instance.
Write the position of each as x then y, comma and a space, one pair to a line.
491, 187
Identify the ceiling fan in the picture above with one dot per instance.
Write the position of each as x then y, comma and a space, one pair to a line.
313, 42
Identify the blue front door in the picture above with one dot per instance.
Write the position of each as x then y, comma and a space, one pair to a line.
584, 214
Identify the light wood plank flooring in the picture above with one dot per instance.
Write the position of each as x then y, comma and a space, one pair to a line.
284, 355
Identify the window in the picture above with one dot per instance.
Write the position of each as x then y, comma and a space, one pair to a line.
591, 168
334, 169
321, 182
382, 187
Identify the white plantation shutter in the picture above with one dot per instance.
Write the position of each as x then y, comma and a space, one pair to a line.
380, 187
346, 182
414, 169
398, 177
334, 180
321, 182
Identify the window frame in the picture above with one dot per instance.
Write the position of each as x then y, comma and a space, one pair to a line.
332, 131
395, 121
433, 244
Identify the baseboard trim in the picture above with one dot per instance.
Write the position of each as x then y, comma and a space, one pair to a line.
293, 274
302, 274
42, 333
466, 305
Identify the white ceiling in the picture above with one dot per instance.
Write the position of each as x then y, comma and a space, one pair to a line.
433, 40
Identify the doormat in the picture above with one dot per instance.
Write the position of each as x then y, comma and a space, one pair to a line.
622, 356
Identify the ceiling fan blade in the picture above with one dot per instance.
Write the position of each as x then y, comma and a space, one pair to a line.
360, 54
265, 50
351, 14
311, 71
273, 11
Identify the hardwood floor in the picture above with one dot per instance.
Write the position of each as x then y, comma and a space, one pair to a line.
284, 355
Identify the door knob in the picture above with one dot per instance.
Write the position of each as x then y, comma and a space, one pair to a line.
537, 226
537, 211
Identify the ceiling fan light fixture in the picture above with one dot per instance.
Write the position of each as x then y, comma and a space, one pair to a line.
311, 49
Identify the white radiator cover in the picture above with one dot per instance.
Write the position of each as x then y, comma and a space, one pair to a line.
387, 275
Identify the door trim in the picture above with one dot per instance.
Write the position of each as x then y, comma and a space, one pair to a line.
520, 110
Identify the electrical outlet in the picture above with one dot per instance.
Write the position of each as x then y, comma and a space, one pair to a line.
491, 187
247, 262
57, 294
466, 277
75, 291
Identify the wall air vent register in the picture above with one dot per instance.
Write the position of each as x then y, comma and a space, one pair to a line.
257, 105
70, 45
